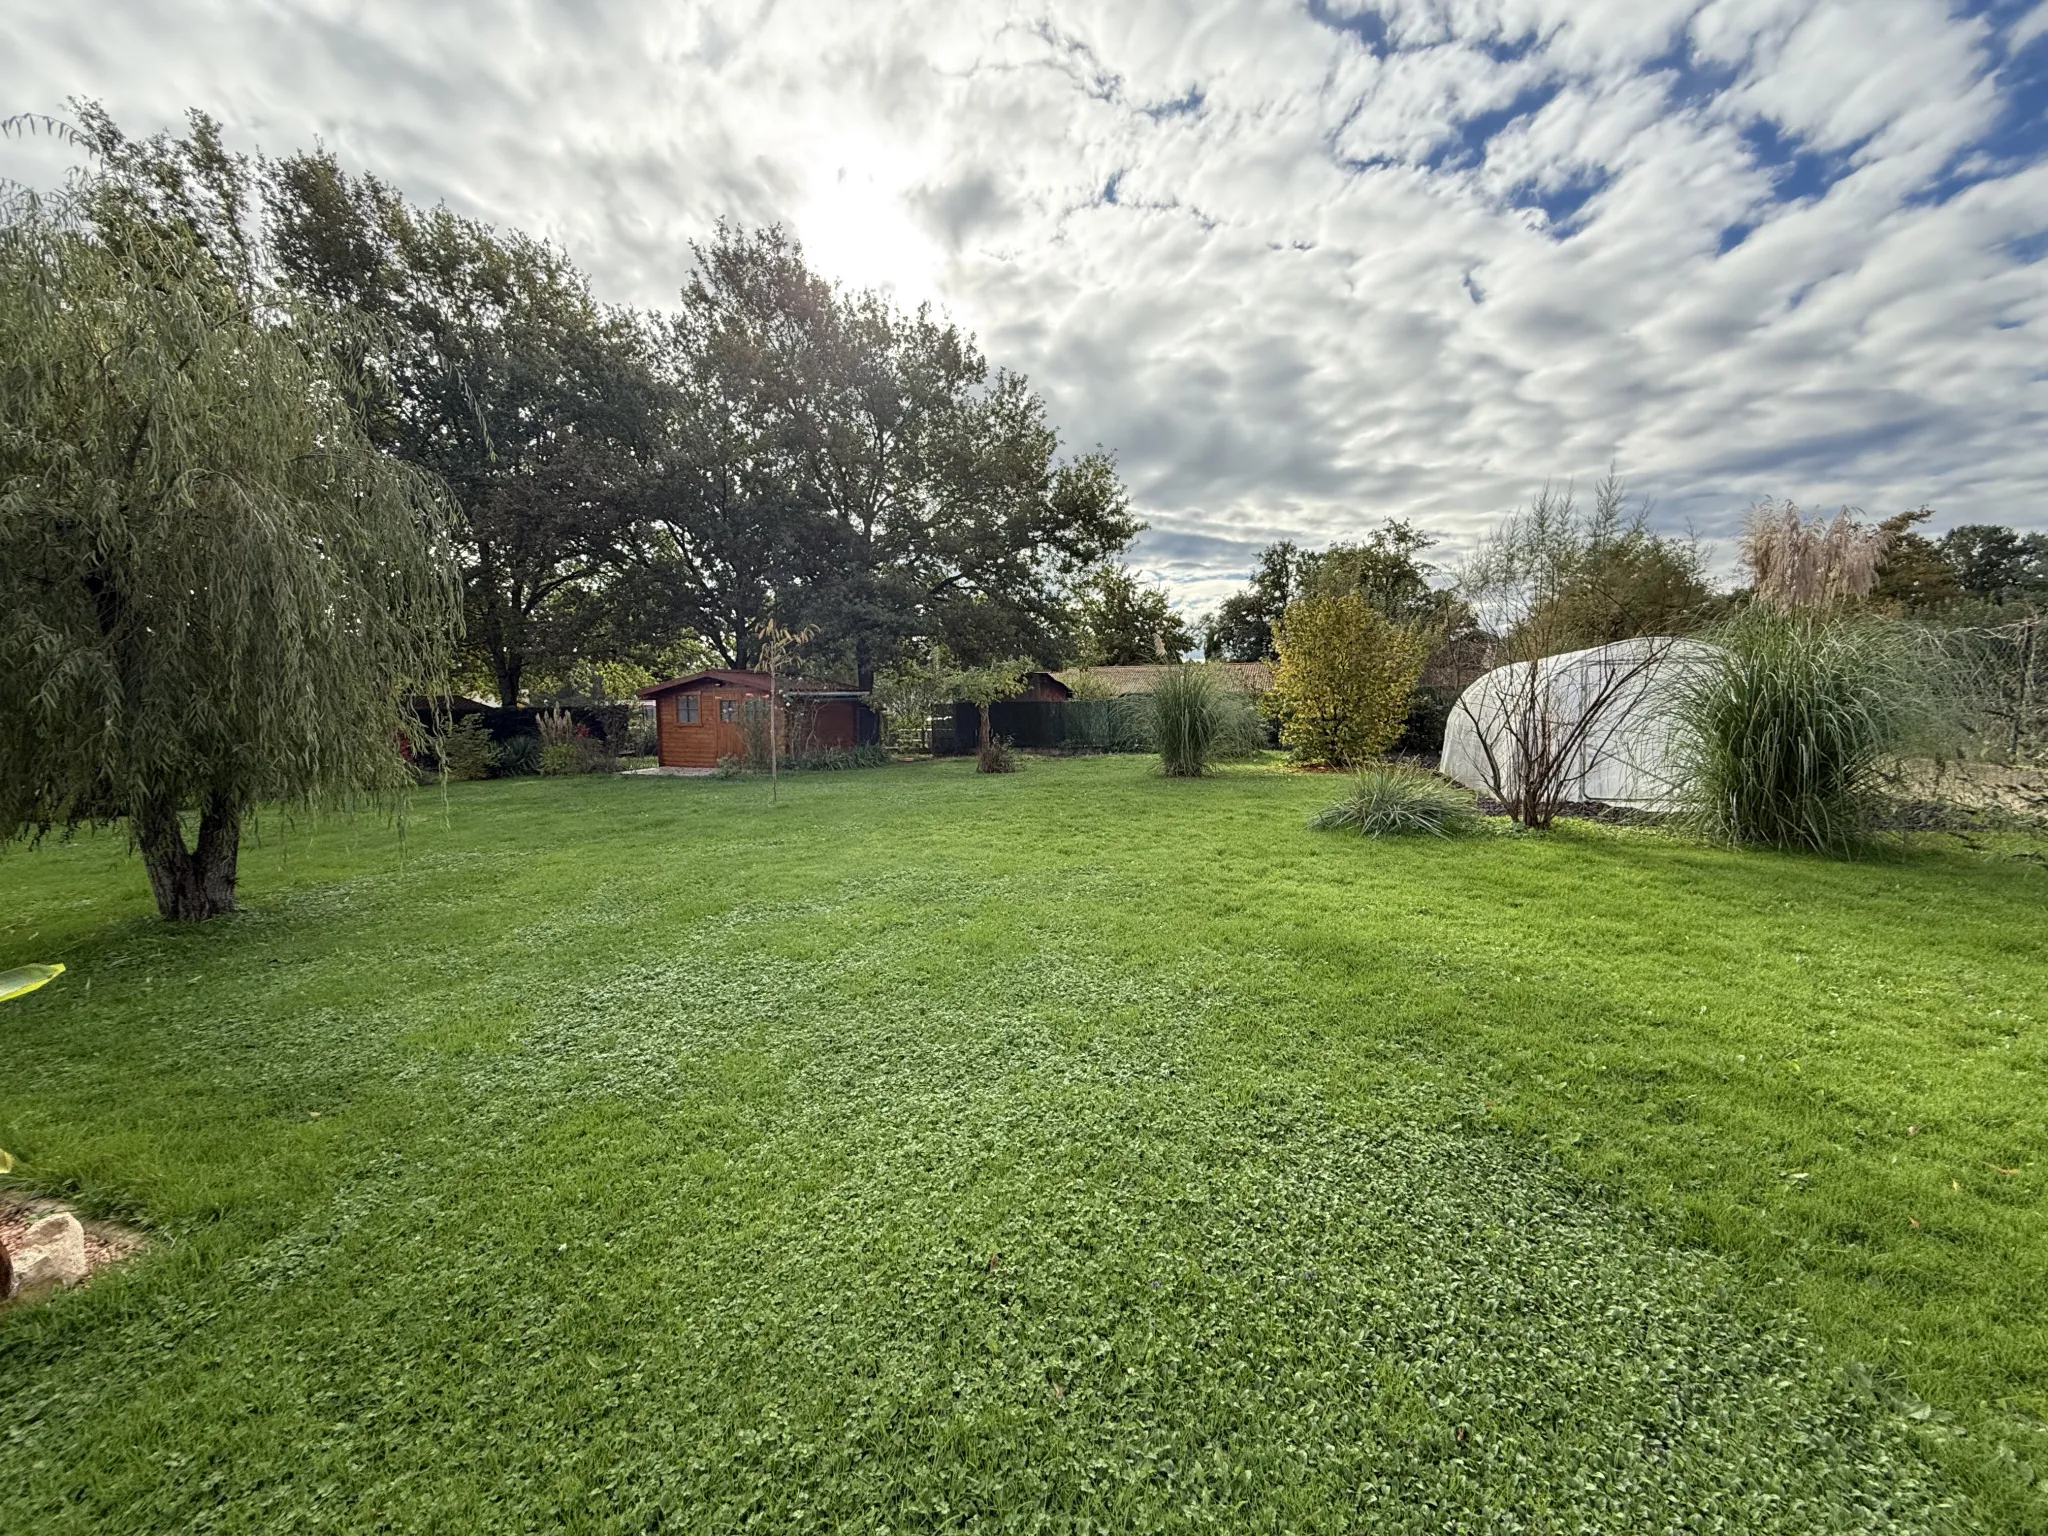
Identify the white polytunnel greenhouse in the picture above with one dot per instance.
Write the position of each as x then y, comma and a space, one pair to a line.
1596, 723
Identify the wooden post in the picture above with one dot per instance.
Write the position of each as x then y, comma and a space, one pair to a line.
774, 783
2019, 712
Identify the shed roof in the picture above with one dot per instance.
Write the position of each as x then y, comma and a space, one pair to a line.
754, 682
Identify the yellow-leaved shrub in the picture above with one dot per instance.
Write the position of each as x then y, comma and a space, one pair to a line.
1344, 679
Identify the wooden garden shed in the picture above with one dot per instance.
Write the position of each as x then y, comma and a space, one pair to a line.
706, 716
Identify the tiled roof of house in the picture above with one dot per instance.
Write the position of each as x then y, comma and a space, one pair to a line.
1251, 676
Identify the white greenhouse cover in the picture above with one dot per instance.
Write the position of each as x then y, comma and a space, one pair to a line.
1607, 708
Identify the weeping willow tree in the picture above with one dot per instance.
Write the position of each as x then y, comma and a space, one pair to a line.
214, 592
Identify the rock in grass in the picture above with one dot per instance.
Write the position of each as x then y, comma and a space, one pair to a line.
52, 1252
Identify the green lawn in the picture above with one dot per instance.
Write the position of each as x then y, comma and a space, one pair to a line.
1074, 1150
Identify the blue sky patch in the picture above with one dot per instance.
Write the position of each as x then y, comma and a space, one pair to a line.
1562, 204
1467, 144
1796, 172
1367, 25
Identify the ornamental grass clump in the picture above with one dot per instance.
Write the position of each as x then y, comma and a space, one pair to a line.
1393, 801
1196, 720
1782, 729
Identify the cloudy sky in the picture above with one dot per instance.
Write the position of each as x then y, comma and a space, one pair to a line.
1303, 264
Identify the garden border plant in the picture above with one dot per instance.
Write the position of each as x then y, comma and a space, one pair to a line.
1783, 728
1398, 800
1196, 719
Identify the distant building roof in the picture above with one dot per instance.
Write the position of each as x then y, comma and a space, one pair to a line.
1251, 676
1045, 686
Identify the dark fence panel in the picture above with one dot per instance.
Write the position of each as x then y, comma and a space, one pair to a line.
1033, 724
1043, 725
607, 722
1117, 725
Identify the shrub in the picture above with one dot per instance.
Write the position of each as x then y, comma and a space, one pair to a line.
984, 687
1396, 801
838, 759
1342, 685
995, 756
566, 747
1196, 720
467, 751
754, 735
643, 735
519, 756
1429, 716
615, 727
1783, 728
594, 755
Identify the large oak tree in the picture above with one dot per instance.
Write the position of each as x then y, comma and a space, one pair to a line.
491, 365
864, 472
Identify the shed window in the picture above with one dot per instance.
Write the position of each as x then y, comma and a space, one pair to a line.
686, 709
728, 709
757, 709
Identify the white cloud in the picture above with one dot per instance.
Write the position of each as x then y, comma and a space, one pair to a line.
1320, 295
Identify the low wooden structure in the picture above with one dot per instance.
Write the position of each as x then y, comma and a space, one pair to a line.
1044, 687
709, 715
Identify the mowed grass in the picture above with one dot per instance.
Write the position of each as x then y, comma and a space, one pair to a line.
1070, 1150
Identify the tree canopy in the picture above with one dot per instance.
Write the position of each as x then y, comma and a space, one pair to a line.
1557, 577
1124, 622
864, 471
1241, 628
632, 485
490, 364
1385, 569
1997, 564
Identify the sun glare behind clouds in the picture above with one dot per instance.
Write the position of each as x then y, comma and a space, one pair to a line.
855, 221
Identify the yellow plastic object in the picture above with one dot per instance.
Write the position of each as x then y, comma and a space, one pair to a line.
26, 978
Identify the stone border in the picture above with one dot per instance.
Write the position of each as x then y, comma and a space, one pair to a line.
106, 1243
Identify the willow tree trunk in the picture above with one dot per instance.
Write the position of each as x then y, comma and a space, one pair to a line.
191, 885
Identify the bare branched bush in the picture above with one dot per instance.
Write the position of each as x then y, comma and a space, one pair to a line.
1581, 607
1541, 729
